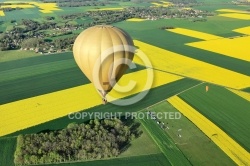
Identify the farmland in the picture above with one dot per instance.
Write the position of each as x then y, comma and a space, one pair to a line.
35, 106
14, 54
230, 47
2, 13
238, 154
232, 118
244, 95
191, 45
191, 138
135, 19
195, 34
156, 94
232, 11
45, 7
168, 147
7, 151
245, 30
161, 39
197, 69
236, 16
155, 159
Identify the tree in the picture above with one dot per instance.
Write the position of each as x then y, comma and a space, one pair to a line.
31, 43
94, 140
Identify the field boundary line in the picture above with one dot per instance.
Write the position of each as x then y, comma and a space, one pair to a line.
189, 88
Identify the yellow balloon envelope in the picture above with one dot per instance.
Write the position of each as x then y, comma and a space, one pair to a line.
103, 53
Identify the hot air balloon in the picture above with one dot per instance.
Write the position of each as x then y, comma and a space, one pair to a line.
103, 54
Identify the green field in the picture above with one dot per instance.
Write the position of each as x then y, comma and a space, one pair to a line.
212, 5
246, 89
194, 144
7, 149
144, 160
16, 54
167, 146
224, 108
21, 14
138, 147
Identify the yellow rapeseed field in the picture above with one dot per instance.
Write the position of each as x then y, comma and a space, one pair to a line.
45, 7
29, 112
187, 8
160, 78
238, 154
242, 94
237, 47
17, 5
179, 64
136, 19
165, 4
2, 13
195, 34
232, 11
244, 30
236, 15
46, 11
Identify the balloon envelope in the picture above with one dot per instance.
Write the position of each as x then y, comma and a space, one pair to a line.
103, 53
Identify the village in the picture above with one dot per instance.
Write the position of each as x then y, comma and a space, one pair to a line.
53, 35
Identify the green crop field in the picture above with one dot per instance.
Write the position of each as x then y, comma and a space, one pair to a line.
167, 146
138, 147
7, 149
15, 54
212, 5
144, 160
246, 89
21, 14
227, 110
191, 139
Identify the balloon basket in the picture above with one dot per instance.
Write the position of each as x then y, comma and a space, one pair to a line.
104, 101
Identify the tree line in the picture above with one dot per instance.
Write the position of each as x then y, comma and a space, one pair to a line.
77, 3
96, 139
182, 1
